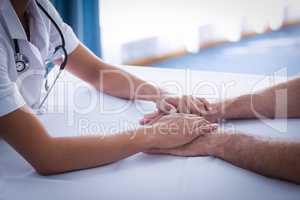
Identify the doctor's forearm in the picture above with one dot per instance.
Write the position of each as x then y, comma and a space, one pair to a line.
108, 78
75, 153
269, 157
119, 83
50, 155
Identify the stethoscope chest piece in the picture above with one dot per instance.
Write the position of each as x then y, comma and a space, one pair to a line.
22, 63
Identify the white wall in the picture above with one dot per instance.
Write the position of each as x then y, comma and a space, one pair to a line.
134, 29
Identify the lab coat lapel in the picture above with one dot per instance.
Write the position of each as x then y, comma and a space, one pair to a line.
13, 24
39, 30
31, 81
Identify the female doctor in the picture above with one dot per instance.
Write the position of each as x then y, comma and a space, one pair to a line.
32, 34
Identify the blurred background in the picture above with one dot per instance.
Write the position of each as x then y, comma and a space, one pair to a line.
239, 36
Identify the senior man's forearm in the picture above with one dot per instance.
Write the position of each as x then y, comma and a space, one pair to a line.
279, 101
269, 157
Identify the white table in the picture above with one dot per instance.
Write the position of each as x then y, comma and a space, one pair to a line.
144, 176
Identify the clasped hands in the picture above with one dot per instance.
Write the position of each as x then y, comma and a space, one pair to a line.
187, 124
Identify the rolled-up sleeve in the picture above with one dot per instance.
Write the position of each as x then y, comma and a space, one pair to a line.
55, 40
69, 36
10, 98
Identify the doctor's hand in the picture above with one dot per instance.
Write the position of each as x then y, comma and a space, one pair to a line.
178, 104
175, 130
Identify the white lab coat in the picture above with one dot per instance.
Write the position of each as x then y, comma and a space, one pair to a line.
18, 89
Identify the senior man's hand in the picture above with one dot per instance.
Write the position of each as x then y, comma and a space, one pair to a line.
181, 104
208, 144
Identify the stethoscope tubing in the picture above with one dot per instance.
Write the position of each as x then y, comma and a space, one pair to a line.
62, 46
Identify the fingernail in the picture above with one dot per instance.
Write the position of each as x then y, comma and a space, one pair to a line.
173, 110
211, 126
144, 121
215, 125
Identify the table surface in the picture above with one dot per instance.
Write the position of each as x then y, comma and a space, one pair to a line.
146, 176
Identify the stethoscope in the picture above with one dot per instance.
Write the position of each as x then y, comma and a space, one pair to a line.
22, 62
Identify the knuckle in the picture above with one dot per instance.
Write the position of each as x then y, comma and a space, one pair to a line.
182, 115
200, 118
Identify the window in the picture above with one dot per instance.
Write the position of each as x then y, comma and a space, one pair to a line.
136, 29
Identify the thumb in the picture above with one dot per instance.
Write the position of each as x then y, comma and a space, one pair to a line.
158, 151
150, 117
154, 120
165, 107
206, 129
